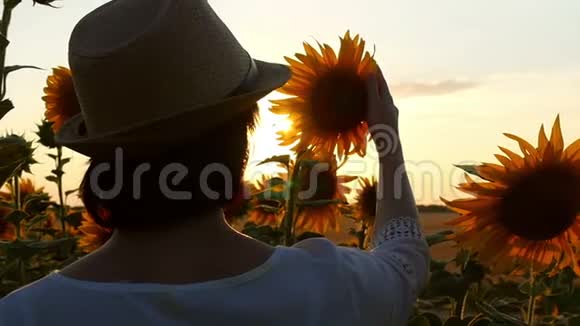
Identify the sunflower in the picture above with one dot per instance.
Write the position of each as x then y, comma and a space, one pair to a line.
60, 99
527, 211
93, 235
7, 230
328, 99
366, 201
328, 187
265, 209
27, 188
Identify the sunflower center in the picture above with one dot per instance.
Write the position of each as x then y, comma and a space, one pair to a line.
321, 187
339, 101
542, 204
369, 202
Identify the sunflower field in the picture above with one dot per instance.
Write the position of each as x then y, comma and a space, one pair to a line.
515, 236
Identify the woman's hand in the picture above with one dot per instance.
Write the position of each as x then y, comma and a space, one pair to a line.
382, 115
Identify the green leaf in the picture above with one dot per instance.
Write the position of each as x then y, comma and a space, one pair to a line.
10, 69
36, 203
268, 208
50, 244
318, 203
497, 315
455, 321
266, 234
434, 320
52, 178
440, 237
574, 321
474, 272
419, 321
19, 249
437, 265
5, 107
36, 220
70, 192
471, 169
15, 217
74, 219
8, 268
280, 159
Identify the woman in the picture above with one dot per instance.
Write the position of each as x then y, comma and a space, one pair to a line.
167, 97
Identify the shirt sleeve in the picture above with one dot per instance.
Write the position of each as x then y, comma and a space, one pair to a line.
389, 278
382, 284
400, 248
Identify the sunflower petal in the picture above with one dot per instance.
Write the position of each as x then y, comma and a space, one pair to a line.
556, 138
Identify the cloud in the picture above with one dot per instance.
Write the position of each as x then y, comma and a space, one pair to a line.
415, 89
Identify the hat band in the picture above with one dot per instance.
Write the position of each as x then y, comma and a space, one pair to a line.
249, 81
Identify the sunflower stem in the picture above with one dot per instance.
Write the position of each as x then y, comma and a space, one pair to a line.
289, 219
61, 208
532, 299
464, 305
6, 18
22, 270
16, 196
362, 236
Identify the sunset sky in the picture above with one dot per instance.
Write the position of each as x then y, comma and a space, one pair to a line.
461, 72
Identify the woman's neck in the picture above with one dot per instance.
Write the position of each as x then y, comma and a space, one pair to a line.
201, 249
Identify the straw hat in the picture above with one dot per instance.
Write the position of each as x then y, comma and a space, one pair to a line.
150, 73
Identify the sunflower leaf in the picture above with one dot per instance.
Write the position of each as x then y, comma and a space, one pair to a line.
35, 221
9, 69
318, 203
5, 107
74, 219
497, 315
15, 217
440, 237
267, 208
280, 159
471, 169
70, 192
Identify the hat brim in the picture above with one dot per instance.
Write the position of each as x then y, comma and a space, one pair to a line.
138, 139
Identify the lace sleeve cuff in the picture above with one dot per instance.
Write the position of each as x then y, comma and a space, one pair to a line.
398, 228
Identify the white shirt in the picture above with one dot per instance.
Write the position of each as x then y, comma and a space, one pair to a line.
312, 283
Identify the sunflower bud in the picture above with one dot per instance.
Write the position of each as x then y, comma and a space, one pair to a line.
46, 134
16, 156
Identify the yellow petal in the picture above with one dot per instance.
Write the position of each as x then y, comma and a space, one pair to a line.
556, 139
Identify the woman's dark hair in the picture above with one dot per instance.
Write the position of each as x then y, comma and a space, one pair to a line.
145, 202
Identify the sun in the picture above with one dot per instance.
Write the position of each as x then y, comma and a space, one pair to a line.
328, 100
526, 212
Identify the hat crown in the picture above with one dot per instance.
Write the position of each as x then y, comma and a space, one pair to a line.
135, 61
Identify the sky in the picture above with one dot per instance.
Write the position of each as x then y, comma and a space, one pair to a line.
461, 72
